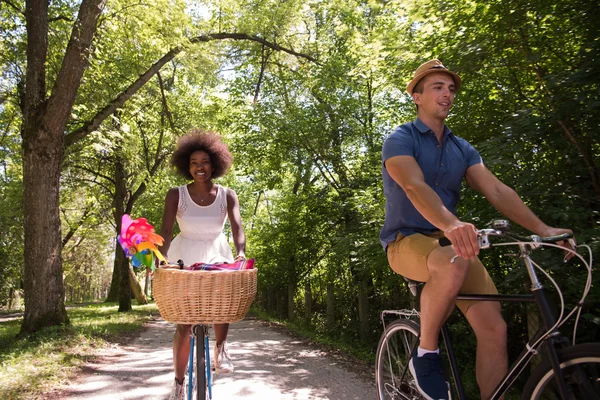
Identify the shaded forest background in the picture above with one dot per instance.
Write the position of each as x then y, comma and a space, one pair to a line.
304, 92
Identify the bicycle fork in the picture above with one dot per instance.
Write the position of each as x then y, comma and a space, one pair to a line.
551, 343
549, 321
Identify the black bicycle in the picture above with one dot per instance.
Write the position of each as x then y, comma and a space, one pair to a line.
567, 371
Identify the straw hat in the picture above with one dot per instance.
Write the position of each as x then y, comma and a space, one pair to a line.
431, 67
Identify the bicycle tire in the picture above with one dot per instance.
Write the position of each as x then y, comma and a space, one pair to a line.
201, 385
392, 377
580, 365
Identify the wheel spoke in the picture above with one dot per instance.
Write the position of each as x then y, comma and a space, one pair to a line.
393, 353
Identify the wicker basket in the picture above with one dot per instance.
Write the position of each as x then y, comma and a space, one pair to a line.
204, 297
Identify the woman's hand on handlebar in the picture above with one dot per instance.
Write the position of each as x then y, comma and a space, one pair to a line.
464, 239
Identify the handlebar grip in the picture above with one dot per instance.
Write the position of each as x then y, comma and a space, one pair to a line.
445, 242
557, 238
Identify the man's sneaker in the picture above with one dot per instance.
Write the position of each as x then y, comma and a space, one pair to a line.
427, 371
222, 362
178, 391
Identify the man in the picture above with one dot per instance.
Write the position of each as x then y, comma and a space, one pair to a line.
424, 164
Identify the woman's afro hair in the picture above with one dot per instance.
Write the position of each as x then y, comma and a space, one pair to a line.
196, 140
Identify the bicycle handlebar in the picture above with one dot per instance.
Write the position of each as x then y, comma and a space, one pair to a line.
484, 243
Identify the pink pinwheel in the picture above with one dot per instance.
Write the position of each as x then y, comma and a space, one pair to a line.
139, 241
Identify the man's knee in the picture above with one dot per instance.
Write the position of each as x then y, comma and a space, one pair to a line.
496, 332
488, 324
439, 264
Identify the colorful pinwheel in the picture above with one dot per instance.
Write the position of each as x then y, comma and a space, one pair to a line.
139, 241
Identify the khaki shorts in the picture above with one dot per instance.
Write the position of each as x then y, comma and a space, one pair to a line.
407, 256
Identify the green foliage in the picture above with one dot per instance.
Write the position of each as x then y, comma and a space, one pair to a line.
307, 136
11, 209
311, 143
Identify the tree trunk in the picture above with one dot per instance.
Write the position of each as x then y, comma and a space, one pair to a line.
136, 288
363, 309
272, 297
147, 283
44, 125
308, 302
280, 305
9, 303
113, 292
118, 210
330, 307
291, 307
44, 290
124, 286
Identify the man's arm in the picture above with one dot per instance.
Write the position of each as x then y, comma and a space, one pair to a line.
507, 201
406, 172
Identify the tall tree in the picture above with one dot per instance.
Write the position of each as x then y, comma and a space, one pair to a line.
44, 123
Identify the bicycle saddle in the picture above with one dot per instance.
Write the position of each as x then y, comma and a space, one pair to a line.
413, 285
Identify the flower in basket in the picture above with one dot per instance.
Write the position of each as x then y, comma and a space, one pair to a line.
139, 242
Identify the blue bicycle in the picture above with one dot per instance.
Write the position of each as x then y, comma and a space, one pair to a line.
199, 385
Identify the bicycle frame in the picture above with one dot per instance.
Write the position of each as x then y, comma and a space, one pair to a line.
538, 296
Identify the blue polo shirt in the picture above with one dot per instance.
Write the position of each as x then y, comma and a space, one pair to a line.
444, 167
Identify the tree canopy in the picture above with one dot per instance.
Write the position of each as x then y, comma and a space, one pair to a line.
93, 95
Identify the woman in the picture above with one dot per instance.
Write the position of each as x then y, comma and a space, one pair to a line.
200, 208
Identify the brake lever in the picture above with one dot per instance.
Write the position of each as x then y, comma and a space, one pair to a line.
573, 245
483, 240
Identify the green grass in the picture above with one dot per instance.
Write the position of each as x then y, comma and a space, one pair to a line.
38, 363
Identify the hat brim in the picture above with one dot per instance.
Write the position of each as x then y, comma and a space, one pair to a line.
411, 85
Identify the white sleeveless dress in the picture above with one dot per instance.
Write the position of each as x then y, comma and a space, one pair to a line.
201, 238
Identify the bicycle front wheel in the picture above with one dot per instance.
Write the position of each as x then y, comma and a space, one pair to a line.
200, 364
392, 377
580, 365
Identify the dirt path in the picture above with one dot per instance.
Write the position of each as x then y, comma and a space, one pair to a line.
269, 364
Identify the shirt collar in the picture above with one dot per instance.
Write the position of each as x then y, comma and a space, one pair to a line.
421, 127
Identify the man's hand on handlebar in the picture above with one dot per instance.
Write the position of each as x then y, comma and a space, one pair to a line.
570, 244
464, 239
559, 236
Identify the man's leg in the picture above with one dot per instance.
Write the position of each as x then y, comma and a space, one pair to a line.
439, 294
420, 258
492, 358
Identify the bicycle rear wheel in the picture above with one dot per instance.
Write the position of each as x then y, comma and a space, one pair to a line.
392, 377
580, 365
